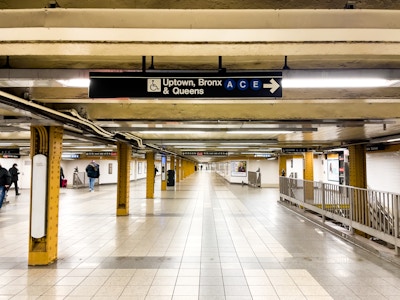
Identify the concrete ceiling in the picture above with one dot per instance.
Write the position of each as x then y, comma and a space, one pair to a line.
320, 39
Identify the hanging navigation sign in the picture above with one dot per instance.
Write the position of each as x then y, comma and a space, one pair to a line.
185, 85
205, 153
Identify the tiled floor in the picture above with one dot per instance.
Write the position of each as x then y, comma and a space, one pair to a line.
205, 240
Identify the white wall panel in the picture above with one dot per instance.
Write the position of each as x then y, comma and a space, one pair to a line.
383, 171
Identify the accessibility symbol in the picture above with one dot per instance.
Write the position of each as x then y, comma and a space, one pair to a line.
153, 85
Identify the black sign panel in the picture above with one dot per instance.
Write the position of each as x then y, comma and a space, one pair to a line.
377, 147
9, 151
205, 153
294, 150
107, 153
186, 85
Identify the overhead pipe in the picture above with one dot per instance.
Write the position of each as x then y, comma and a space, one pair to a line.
75, 119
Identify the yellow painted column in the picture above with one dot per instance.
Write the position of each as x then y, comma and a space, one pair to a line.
357, 166
358, 178
178, 170
309, 166
172, 163
282, 165
163, 172
309, 176
123, 184
183, 171
150, 175
47, 143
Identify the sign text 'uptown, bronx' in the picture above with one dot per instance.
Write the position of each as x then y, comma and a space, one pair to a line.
186, 85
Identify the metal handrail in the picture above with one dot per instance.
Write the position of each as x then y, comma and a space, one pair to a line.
372, 212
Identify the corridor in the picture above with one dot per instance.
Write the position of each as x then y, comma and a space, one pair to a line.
206, 239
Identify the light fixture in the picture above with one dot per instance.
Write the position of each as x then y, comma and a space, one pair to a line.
75, 82
386, 139
171, 132
232, 147
393, 140
259, 131
303, 83
241, 142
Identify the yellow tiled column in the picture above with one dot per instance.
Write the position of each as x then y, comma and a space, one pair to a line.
123, 184
150, 177
46, 144
309, 176
358, 178
357, 166
178, 169
164, 173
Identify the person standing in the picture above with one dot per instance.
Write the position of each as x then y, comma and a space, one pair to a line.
61, 176
93, 172
5, 181
14, 172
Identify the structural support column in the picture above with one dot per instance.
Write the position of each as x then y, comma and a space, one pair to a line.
163, 172
150, 178
358, 178
172, 163
178, 170
124, 170
309, 176
357, 166
282, 165
46, 149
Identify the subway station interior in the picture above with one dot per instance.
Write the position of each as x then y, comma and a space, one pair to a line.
285, 90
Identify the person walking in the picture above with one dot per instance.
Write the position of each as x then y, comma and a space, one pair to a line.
14, 172
5, 181
93, 172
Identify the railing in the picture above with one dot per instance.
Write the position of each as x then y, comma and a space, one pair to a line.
254, 178
372, 212
79, 179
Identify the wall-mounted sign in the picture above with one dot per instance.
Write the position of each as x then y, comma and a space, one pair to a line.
266, 155
205, 153
294, 150
71, 156
377, 147
11, 156
185, 85
109, 153
9, 151
239, 168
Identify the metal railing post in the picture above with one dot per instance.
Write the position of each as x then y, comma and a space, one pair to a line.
351, 202
323, 202
396, 224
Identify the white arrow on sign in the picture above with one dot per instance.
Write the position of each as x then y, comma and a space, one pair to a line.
273, 86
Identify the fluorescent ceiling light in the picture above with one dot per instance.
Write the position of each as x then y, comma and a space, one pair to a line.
171, 132
393, 140
259, 131
184, 144
91, 147
232, 147
189, 146
242, 143
75, 82
337, 82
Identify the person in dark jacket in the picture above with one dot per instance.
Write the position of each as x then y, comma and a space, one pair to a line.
5, 181
61, 176
93, 172
14, 172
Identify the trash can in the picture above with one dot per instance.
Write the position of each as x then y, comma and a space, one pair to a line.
170, 178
